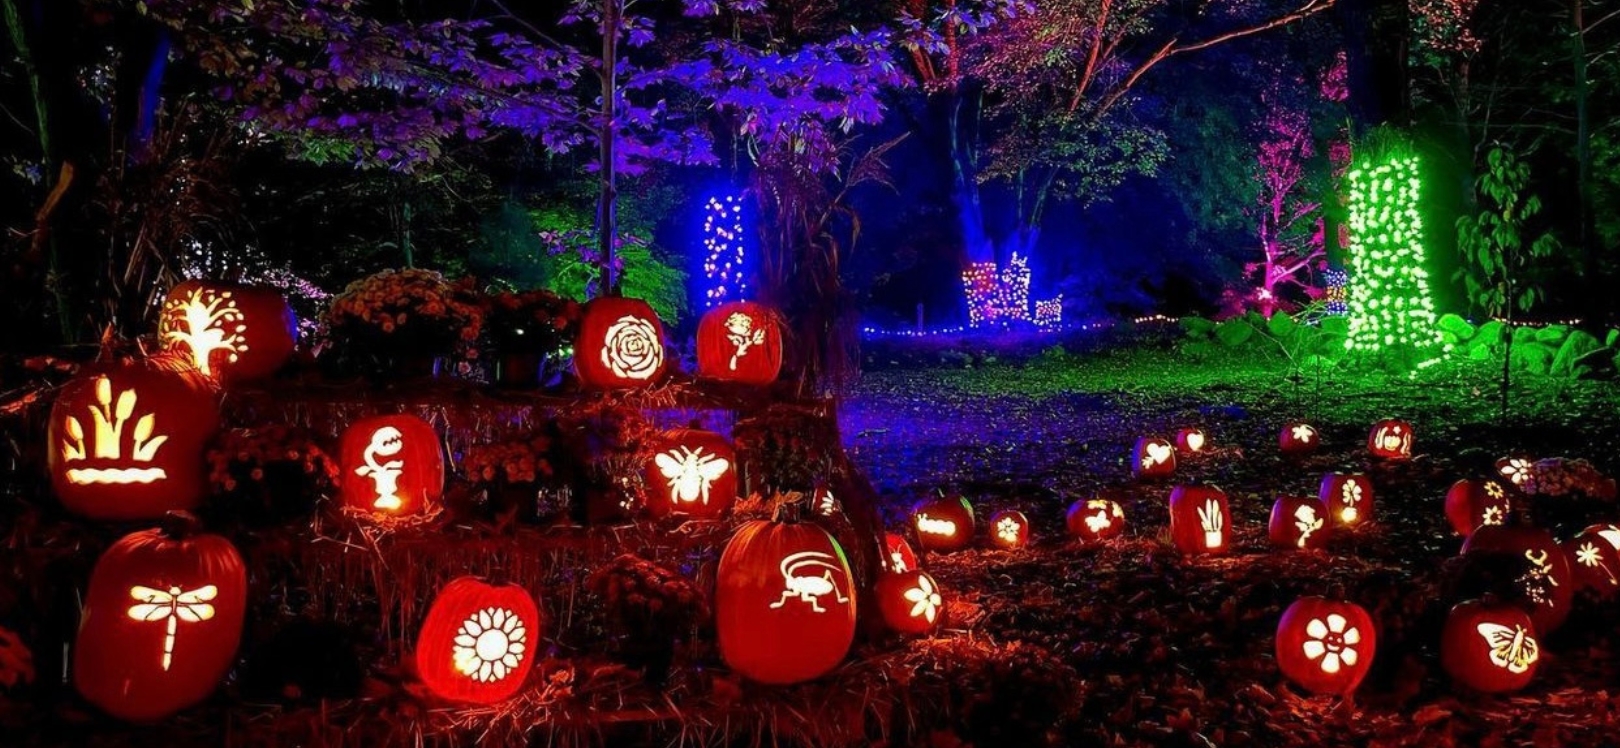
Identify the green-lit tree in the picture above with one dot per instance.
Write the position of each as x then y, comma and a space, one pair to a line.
1391, 310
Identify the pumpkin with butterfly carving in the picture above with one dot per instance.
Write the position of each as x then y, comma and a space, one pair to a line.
1489, 647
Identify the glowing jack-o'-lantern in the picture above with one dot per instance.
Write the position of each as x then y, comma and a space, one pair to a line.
784, 601
128, 442
1517, 469
1191, 441
1348, 498
1153, 457
1473, 503
1093, 520
391, 465
162, 621
1489, 647
944, 523
1391, 440
911, 602
1326, 646
478, 641
1297, 439
739, 342
1298, 522
1199, 519
1546, 586
897, 554
228, 331
620, 344
1009, 529
691, 472
1594, 559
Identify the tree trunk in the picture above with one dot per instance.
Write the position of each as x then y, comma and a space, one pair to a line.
1583, 147
607, 209
45, 241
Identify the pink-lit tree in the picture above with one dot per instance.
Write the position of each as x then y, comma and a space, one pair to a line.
1289, 221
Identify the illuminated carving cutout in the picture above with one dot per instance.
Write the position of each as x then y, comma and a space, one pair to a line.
826, 503
1332, 642
691, 472
1213, 521
204, 321
927, 524
1518, 470
173, 606
924, 598
108, 419
490, 645
1350, 494
1538, 581
1512, 648
385, 442
1007, 529
1588, 555
740, 331
809, 587
632, 349
1156, 453
1195, 441
1103, 520
897, 561
1307, 521
1303, 433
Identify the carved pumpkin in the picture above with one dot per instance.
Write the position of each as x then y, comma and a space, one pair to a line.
228, 331
911, 602
825, 503
1199, 520
1489, 647
478, 641
1348, 498
784, 601
128, 442
1298, 522
691, 472
1326, 646
162, 621
1391, 440
1472, 503
391, 465
944, 523
1298, 439
620, 344
740, 342
1093, 520
1191, 441
1009, 530
1153, 457
1516, 469
897, 554
1546, 587
1594, 559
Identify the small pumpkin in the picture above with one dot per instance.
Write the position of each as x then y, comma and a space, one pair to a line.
228, 331
620, 344
1348, 498
1299, 439
1009, 530
1489, 646
391, 466
1546, 586
1191, 441
1153, 457
1298, 522
1516, 469
1391, 439
740, 342
1594, 559
691, 472
1326, 646
898, 554
1095, 520
911, 602
478, 641
1472, 503
1199, 520
162, 621
944, 523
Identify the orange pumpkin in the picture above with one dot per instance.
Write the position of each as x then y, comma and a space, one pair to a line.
1199, 520
1516, 469
162, 621
228, 331
1546, 587
478, 641
691, 472
1489, 647
911, 602
1153, 457
1298, 439
1326, 646
1391, 439
1348, 498
740, 342
944, 523
1298, 522
392, 466
1094, 520
1191, 441
1472, 503
1594, 559
128, 442
620, 344
1009, 530
784, 601
898, 553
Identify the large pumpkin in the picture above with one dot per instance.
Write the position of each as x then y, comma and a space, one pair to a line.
391, 465
691, 472
1093, 520
1489, 647
1545, 587
1473, 503
784, 601
478, 641
910, 601
944, 523
1009, 529
1199, 519
228, 331
1391, 440
740, 342
1326, 646
620, 344
162, 621
1298, 522
1348, 498
1153, 457
128, 442
1297, 439
1594, 559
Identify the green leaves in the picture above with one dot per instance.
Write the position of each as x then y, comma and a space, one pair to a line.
1497, 259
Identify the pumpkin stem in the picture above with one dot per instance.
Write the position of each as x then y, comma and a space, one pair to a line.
789, 512
179, 525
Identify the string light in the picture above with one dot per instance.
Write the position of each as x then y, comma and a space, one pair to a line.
1335, 291
1389, 305
999, 294
1049, 312
723, 250
979, 283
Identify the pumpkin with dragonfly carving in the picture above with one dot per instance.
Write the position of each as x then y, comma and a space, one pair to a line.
692, 473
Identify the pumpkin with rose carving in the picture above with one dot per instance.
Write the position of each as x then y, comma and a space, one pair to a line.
1326, 646
620, 344
1298, 522
740, 342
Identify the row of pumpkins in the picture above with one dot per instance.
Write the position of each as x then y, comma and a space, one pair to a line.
237, 333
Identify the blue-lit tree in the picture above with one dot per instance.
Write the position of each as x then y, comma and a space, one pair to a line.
724, 251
